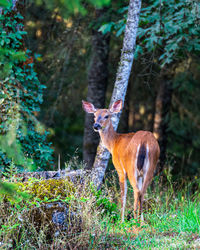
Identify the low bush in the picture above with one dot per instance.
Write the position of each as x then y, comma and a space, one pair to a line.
171, 217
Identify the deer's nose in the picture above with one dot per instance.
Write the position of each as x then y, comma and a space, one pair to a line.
97, 126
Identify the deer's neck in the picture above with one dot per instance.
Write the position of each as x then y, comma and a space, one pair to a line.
108, 137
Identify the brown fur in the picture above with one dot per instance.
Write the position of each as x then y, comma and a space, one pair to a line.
125, 149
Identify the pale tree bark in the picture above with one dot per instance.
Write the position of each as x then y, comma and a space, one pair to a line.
121, 83
97, 84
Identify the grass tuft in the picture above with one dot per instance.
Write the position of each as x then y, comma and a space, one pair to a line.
172, 217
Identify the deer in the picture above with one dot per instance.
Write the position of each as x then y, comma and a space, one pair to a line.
133, 154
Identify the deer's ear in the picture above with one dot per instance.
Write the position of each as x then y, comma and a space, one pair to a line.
88, 107
116, 107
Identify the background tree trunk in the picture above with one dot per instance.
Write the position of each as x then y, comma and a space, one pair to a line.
121, 83
124, 125
97, 84
161, 118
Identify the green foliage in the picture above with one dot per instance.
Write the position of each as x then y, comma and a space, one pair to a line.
22, 141
10, 171
10, 43
5, 3
107, 207
168, 27
118, 26
184, 125
9, 192
7, 188
68, 7
12, 152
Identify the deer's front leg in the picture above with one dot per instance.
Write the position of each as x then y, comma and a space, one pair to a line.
123, 188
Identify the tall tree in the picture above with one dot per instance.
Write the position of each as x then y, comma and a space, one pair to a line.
97, 84
121, 83
161, 117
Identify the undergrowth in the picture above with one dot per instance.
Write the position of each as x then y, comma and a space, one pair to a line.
171, 211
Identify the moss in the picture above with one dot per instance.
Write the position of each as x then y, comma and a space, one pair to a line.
52, 206
48, 189
127, 51
119, 79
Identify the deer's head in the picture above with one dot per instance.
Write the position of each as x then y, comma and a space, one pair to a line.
102, 117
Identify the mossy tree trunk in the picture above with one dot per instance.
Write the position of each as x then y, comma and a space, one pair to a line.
121, 83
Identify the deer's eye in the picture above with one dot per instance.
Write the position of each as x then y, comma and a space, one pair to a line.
106, 117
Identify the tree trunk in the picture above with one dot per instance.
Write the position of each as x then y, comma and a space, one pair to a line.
161, 118
97, 84
124, 124
121, 83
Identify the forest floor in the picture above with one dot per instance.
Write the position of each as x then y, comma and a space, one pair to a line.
171, 211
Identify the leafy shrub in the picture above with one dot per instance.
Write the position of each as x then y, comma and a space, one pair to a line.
20, 97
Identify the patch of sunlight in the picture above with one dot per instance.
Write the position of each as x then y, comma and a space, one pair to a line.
39, 33
68, 23
58, 18
142, 109
83, 51
31, 24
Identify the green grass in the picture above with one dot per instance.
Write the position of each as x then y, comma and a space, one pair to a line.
172, 221
181, 217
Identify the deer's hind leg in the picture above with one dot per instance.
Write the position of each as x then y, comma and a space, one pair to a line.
132, 176
123, 188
